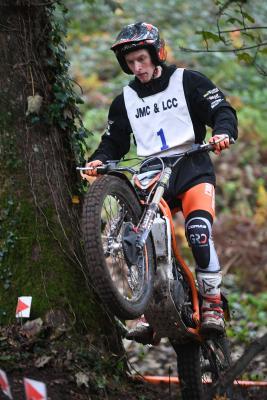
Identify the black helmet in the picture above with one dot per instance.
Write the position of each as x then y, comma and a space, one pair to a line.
139, 36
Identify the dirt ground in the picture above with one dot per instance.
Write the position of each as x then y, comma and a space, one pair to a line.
59, 387
72, 370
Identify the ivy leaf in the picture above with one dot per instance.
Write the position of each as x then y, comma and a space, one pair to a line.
35, 119
54, 108
79, 100
61, 96
56, 87
62, 124
245, 57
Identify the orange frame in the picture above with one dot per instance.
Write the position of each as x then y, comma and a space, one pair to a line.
188, 274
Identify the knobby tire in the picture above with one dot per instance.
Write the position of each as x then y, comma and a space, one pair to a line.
201, 364
104, 255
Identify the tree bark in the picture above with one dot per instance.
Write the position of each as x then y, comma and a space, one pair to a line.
44, 257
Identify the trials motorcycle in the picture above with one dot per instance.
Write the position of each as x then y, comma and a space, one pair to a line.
136, 267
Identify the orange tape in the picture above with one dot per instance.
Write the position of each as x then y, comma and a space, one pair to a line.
173, 379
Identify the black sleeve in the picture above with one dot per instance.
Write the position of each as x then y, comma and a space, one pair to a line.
115, 142
208, 106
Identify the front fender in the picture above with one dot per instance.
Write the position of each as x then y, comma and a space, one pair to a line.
125, 179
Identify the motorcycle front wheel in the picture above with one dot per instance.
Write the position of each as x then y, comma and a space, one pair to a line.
125, 289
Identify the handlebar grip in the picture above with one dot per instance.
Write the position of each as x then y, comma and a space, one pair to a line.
210, 147
102, 169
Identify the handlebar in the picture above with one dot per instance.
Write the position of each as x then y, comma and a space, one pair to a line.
112, 165
103, 169
200, 148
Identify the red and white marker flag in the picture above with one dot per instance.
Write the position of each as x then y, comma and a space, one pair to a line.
23, 307
4, 385
34, 390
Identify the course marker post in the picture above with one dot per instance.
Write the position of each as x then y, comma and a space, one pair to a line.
4, 385
23, 309
34, 390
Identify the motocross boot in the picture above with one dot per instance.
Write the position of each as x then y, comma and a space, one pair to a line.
212, 315
143, 333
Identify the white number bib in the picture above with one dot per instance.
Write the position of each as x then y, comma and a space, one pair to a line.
161, 121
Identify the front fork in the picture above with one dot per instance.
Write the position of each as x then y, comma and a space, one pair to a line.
150, 214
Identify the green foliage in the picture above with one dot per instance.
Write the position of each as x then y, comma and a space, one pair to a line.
206, 35
94, 121
245, 57
63, 112
240, 29
249, 313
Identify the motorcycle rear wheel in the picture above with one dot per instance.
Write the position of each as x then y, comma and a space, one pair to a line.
124, 289
200, 365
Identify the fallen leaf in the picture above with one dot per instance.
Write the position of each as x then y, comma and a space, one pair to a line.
32, 328
82, 379
42, 361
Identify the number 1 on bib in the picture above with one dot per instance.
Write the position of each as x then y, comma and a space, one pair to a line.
164, 146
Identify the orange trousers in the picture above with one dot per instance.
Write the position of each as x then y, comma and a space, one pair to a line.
199, 197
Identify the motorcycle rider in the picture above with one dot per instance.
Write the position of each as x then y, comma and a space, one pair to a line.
167, 110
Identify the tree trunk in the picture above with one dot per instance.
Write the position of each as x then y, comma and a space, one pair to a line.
40, 237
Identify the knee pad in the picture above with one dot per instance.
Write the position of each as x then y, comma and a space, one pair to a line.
199, 236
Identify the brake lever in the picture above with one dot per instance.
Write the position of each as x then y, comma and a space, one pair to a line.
101, 169
210, 146
231, 140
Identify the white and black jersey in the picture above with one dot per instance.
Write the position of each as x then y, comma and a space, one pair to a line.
161, 122
167, 115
